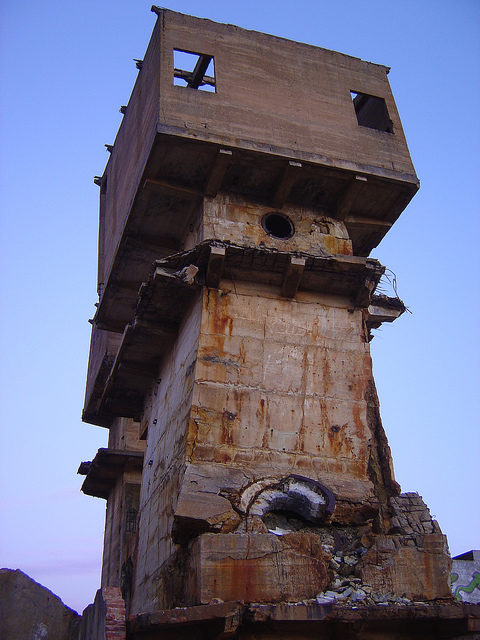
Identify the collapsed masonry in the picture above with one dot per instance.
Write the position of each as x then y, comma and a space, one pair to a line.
230, 348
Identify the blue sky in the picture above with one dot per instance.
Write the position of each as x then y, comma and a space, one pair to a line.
66, 69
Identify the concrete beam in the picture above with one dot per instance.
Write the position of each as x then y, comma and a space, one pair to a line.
293, 275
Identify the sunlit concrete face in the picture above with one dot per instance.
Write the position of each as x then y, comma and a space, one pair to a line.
284, 377
231, 219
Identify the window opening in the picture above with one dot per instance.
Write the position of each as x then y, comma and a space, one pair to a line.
194, 70
371, 112
131, 520
278, 225
131, 502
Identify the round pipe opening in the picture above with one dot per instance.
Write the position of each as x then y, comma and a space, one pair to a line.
278, 225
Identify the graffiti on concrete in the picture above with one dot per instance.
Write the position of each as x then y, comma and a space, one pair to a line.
468, 588
465, 577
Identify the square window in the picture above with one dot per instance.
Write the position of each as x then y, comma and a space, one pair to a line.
371, 112
194, 70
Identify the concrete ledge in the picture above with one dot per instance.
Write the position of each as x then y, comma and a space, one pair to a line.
430, 621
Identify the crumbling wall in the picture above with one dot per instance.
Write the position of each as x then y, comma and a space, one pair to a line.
105, 618
258, 389
29, 611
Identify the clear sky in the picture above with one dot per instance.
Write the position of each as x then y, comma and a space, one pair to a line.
66, 69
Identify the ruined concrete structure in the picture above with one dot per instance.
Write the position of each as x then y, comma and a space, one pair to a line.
247, 467
30, 611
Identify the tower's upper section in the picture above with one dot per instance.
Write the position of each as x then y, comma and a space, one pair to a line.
242, 154
216, 108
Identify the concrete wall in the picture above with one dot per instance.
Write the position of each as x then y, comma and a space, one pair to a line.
465, 577
130, 152
279, 94
112, 538
281, 383
29, 611
118, 542
231, 219
166, 413
124, 434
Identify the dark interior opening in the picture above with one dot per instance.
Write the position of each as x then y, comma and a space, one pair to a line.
284, 520
371, 112
278, 225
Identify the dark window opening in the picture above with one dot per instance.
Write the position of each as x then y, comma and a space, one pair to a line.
131, 504
126, 582
194, 70
278, 225
131, 520
371, 112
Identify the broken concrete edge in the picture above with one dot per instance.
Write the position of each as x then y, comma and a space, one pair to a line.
299, 612
190, 267
389, 302
201, 252
109, 457
6, 573
105, 618
312, 492
184, 615
383, 308
296, 612
187, 271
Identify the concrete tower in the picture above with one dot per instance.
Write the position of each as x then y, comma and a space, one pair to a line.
249, 181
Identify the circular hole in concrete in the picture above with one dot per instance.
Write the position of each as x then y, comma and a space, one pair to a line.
278, 225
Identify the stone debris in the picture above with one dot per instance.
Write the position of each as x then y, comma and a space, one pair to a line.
411, 516
347, 592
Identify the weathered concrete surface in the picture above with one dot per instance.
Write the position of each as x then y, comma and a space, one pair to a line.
305, 620
284, 377
231, 219
257, 388
244, 355
166, 416
29, 611
256, 567
419, 572
168, 151
122, 506
276, 386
